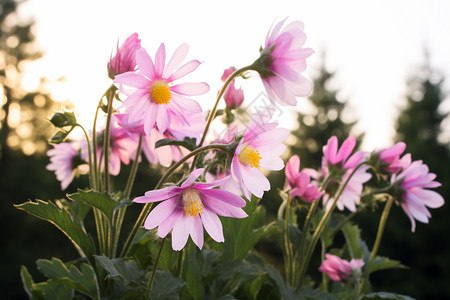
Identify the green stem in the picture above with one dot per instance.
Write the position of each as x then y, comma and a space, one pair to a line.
150, 282
376, 246
91, 170
322, 224
94, 142
212, 114
107, 138
287, 241
146, 210
126, 195
305, 231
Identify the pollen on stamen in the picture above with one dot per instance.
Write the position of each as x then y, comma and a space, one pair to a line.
250, 156
192, 203
160, 92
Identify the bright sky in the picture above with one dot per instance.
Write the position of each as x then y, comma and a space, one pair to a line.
372, 45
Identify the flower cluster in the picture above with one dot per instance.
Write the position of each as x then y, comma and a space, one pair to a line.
208, 178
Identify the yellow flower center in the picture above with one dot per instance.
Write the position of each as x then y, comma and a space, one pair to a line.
249, 156
160, 92
192, 203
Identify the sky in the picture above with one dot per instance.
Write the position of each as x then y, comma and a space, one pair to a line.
372, 46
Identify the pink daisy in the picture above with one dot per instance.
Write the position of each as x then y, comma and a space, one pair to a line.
387, 161
261, 146
185, 210
282, 60
339, 269
64, 160
125, 58
410, 189
157, 98
299, 183
340, 165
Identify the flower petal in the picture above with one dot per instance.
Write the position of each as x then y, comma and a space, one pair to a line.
177, 58
190, 88
184, 70
212, 225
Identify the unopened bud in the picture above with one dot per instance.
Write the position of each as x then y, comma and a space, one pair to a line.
62, 119
59, 137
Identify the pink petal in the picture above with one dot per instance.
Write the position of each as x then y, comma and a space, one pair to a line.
159, 195
132, 79
160, 61
223, 196
346, 149
145, 63
167, 225
160, 213
177, 58
255, 181
186, 103
196, 230
212, 225
180, 234
192, 177
191, 89
330, 150
161, 118
184, 70
150, 118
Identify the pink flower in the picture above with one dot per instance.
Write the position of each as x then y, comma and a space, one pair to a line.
300, 183
187, 209
281, 62
339, 269
340, 165
64, 160
261, 146
156, 98
387, 161
176, 131
125, 58
123, 145
233, 96
410, 189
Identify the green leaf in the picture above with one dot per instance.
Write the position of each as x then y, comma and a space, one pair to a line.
286, 292
101, 201
241, 234
119, 268
29, 285
309, 293
382, 263
192, 273
63, 221
356, 246
188, 143
166, 286
82, 280
385, 295
77, 210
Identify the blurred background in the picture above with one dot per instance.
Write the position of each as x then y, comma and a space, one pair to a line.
380, 72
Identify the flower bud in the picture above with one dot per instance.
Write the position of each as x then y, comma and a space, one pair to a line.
59, 137
125, 58
62, 119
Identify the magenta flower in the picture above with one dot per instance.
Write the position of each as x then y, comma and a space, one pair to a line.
339, 269
64, 160
410, 189
340, 165
185, 210
299, 183
156, 98
261, 146
233, 97
125, 58
281, 62
387, 161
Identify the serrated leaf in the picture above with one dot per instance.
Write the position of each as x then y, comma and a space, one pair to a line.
352, 235
188, 143
101, 201
52, 290
309, 293
118, 268
29, 285
382, 263
77, 210
82, 280
63, 221
385, 295
165, 286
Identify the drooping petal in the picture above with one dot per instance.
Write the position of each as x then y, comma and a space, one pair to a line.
180, 234
212, 225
